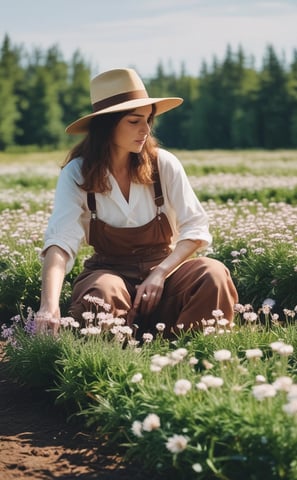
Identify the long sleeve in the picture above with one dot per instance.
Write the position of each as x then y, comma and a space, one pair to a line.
65, 227
68, 225
187, 217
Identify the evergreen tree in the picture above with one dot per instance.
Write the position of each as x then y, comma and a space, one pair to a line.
228, 105
292, 92
244, 128
11, 75
8, 113
273, 103
43, 117
174, 130
206, 128
76, 101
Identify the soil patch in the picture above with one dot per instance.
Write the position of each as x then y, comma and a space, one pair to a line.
37, 443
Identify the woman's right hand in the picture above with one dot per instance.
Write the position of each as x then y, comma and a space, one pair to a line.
53, 272
47, 322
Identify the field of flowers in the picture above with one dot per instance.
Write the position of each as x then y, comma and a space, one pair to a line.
221, 403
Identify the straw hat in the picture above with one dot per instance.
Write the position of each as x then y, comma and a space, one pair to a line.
118, 90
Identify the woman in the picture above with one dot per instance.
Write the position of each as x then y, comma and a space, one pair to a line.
133, 202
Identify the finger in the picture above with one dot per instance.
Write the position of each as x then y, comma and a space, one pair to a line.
137, 300
149, 302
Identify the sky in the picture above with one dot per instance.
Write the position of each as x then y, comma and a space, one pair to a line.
142, 33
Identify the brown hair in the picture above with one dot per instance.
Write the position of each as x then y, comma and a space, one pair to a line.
95, 148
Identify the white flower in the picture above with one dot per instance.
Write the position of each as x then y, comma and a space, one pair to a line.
90, 331
222, 355
68, 322
155, 368
260, 379
182, 387
209, 330
75, 324
291, 407
124, 330
292, 393
265, 390
160, 361
88, 316
250, 316
197, 468
210, 322
133, 343
283, 383
137, 428
179, 354
253, 353
269, 302
160, 327
236, 388
147, 337
136, 378
217, 313
238, 307
193, 361
275, 346
118, 320
223, 322
207, 365
176, 443
151, 422
201, 386
93, 299
211, 381
286, 350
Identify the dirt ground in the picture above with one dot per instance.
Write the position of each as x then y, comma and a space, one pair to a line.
37, 443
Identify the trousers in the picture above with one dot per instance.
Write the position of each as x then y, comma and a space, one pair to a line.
199, 286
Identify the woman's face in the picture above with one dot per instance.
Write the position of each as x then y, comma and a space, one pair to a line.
131, 132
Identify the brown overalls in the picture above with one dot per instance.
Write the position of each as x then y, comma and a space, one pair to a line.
125, 256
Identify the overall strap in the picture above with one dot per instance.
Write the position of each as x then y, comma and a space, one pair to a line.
159, 199
92, 204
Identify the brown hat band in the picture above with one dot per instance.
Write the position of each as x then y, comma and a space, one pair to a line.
120, 98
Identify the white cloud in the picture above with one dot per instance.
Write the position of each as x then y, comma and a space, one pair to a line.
143, 33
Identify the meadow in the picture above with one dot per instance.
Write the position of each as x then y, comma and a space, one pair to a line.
220, 403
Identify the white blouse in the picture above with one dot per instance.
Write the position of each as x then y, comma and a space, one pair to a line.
68, 225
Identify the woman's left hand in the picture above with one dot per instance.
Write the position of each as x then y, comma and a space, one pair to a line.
149, 292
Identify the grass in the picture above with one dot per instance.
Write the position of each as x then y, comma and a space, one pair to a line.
177, 407
217, 404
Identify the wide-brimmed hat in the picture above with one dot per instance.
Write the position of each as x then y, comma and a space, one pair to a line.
118, 90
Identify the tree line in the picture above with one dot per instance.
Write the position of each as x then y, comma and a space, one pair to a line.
230, 104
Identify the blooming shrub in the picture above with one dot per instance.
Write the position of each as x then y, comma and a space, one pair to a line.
201, 404
220, 403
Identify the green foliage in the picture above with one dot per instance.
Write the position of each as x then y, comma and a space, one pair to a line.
31, 361
229, 433
8, 113
265, 195
261, 272
226, 431
28, 182
231, 104
271, 274
21, 280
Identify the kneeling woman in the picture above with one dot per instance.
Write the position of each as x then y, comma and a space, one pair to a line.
133, 202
